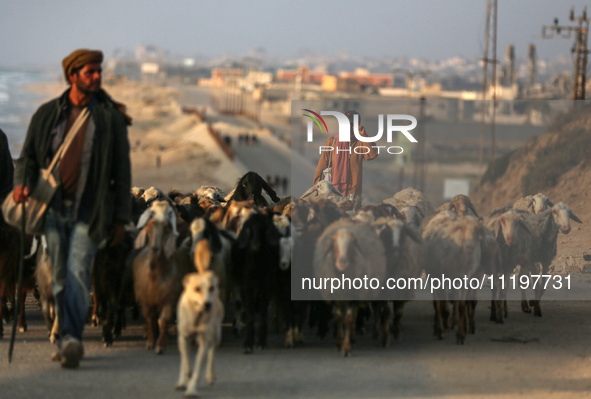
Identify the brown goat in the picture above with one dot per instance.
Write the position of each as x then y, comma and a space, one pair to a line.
157, 283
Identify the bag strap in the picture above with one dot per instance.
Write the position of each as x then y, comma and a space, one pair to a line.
330, 155
74, 130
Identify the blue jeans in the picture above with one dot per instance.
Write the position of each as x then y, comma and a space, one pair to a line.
71, 251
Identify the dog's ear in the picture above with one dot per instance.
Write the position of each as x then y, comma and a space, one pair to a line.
186, 279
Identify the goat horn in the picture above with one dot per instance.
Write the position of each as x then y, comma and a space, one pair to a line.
574, 217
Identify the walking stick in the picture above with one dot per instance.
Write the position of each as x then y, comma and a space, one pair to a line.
21, 268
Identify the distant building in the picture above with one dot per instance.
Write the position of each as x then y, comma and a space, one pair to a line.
365, 79
303, 73
334, 83
222, 77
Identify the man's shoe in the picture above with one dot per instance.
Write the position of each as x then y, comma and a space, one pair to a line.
71, 353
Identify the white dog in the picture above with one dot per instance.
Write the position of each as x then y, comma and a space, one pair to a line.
200, 312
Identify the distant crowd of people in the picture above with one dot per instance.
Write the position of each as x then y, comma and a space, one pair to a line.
248, 139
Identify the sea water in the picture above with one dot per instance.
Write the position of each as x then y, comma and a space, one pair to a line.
18, 103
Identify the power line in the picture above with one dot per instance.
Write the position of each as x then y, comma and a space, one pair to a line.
579, 47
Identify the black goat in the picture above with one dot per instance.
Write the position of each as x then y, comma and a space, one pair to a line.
113, 286
250, 187
255, 259
9, 265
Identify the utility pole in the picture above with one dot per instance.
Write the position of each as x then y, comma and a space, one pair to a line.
410, 75
491, 8
419, 158
579, 47
494, 93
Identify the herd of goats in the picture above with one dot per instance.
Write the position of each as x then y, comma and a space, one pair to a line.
250, 237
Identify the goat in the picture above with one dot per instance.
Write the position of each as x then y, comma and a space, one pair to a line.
255, 259
250, 187
212, 250
112, 281
215, 194
293, 311
152, 194
236, 214
44, 278
157, 282
9, 265
323, 189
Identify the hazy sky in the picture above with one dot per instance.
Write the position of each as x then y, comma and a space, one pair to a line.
37, 32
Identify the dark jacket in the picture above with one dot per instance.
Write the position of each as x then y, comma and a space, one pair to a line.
106, 194
6, 168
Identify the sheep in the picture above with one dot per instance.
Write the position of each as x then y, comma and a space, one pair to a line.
437, 222
490, 264
545, 227
351, 249
461, 205
454, 251
404, 259
415, 198
533, 203
157, 283
370, 213
309, 220
255, 260
250, 187
412, 204
513, 236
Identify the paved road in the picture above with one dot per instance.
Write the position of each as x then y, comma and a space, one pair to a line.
526, 357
